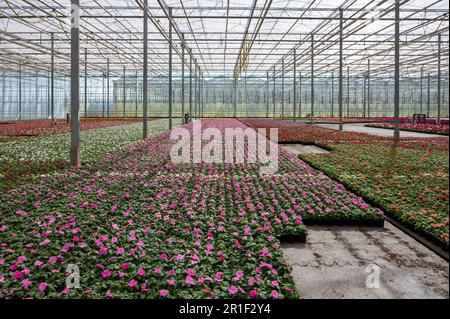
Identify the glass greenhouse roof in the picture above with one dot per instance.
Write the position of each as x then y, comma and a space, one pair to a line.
229, 38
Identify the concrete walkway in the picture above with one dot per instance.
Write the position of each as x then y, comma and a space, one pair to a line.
361, 128
336, 262
298, 149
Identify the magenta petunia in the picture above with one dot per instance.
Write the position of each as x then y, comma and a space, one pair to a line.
17, 275
191, 272
26, 283
253, 293
171, 282
21, 213
189, 280
132, 283
42, 286
157, 271
141, 272
233, 290
218, 276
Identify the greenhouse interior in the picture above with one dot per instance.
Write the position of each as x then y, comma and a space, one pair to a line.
224, 149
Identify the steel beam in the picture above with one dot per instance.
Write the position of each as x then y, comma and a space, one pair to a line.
295, 85
348, 91
300, 95
341, 88
202, 96
3, 104
36, 94
282, 89
368, 88
75, 85
397, 75
52, 80
274, 92
136, 96
364, 97
428, 94
235, 98
197, 99
279, 9
48, 95
195, 91
85, 85
103, 95
421, 90
190, 84
355, 98
124, 93
20, 91
267, 94
312, 78
332, 94
145, 73
108, 102
182, 79
170, 72
439, 81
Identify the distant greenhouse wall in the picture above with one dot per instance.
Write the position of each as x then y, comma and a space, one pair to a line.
25, 94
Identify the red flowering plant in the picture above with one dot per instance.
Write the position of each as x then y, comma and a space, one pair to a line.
379, 120
409, 182
416, 127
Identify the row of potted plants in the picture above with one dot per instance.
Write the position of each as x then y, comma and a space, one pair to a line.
31, 128
415, 127
137, 225
26, 159
409, 182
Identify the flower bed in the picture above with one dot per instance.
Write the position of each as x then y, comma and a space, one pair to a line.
379, 119
415, 127
21, 129
409, 182
23, 159
326, 138
139, 226
267, 122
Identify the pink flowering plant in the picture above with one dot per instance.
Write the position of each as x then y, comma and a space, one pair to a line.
139, 226
432, 128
